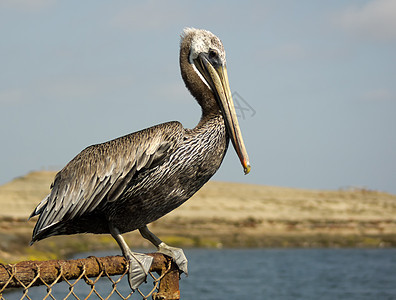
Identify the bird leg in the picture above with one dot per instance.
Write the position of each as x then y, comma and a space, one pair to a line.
177, 254
139, 264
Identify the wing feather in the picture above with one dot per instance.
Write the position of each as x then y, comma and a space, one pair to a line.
102, 172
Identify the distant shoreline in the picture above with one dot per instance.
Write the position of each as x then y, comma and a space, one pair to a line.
221, 215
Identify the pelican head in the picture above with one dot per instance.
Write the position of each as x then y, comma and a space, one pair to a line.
207, 58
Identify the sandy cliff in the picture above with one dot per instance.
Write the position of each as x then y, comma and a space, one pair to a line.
220, 214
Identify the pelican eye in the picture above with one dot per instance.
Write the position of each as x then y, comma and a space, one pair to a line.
212, 54
214, 58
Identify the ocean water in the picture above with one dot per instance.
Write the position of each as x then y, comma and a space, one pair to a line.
271, 274
291, 274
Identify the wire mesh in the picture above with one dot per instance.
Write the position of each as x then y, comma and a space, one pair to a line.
88, 278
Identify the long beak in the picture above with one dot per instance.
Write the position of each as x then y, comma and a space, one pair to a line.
217, 78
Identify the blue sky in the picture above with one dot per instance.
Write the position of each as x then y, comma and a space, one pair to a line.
320, 76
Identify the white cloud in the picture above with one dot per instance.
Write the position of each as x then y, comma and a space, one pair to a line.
288, 51
150, 15
376, 20
11, 96
172, 91
69, 89
26, 5
380, 94
80, 87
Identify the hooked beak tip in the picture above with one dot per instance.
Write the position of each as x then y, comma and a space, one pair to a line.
247, 168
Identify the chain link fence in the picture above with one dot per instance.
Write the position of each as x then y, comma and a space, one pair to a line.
88, 278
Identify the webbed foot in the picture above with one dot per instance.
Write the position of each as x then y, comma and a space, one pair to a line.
139, 266
177, 255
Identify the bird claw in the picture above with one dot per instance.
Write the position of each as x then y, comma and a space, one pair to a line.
139, 266
176, 254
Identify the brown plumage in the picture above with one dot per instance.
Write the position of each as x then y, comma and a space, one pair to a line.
128, 182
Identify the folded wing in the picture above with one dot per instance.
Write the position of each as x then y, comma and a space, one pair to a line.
101, 173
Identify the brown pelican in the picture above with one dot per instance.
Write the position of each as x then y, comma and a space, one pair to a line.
126, 183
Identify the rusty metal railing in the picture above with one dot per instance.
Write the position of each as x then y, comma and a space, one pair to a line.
27, 274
